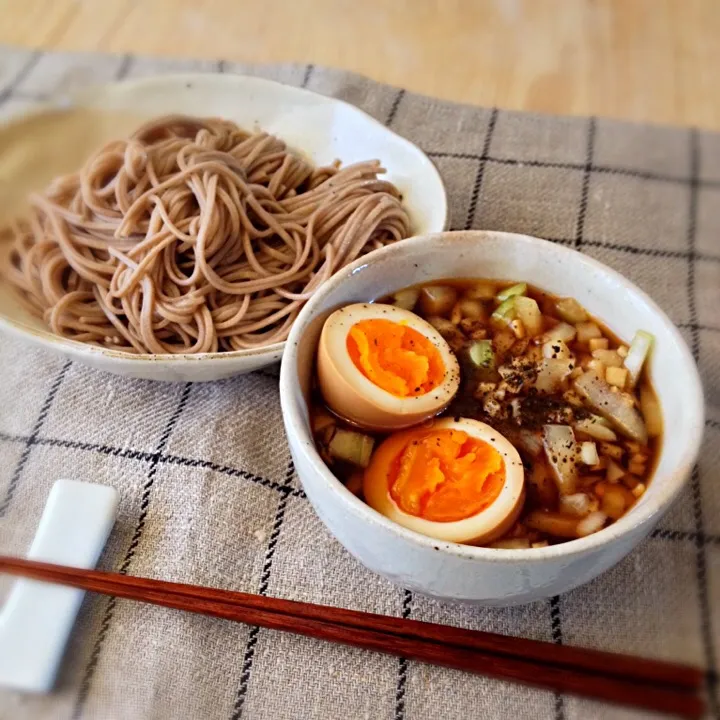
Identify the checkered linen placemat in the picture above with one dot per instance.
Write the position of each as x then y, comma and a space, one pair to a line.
208, 491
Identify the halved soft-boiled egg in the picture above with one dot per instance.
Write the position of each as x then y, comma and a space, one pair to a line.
385, 368
454, 480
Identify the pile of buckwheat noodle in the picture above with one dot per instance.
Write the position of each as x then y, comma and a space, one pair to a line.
195, 236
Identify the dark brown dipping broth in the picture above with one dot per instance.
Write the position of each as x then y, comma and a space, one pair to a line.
505, 395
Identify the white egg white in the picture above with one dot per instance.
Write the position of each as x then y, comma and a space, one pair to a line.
356, 398
485, 526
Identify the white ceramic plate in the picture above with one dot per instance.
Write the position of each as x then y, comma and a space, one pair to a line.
57, 138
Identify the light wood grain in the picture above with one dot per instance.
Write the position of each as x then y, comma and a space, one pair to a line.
649, 60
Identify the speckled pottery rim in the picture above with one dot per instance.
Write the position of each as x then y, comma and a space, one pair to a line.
663, 489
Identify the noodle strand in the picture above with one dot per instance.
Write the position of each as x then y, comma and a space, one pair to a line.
195, 236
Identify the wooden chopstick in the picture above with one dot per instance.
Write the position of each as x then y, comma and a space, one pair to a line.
613, 664
650, 684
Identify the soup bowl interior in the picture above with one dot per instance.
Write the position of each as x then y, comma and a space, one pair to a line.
463, 572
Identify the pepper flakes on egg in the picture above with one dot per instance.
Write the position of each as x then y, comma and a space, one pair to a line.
456, 480
384, 368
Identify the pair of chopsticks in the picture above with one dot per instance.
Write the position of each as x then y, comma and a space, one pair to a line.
621, 679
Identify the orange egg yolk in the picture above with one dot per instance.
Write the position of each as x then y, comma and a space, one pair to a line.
441, 475
395, 357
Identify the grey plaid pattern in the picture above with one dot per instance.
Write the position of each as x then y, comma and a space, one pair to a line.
209, 494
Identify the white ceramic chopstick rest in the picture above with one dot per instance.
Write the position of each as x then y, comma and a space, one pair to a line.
37, 618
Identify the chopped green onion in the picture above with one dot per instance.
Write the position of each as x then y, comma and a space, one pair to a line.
519, 289
351, 446
481, 354
639, 350
505, 311
571, 311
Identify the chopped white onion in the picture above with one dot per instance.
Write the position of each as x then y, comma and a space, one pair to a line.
563, 332
437, 299
586, 331
551, 374
561, 452
614, 472
577, 504
589, 454
591, 524
472, 309
639, 350
531, 441
617, 407
570, 310
518, 328
595, 429
557, 350
407, 298
528, 311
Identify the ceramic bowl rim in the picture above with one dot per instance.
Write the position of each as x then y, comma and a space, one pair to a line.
644, 513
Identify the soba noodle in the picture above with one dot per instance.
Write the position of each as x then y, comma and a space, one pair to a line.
195, 236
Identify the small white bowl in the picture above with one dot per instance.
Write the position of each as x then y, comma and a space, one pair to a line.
462, 572
59, 137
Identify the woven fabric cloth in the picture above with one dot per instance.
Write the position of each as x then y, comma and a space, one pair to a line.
209, 495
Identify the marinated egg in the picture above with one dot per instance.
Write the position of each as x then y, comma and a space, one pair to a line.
454, 480
384, 368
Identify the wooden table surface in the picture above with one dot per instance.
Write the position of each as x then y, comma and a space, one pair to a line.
649, 60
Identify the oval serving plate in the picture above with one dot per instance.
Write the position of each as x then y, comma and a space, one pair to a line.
57, 138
